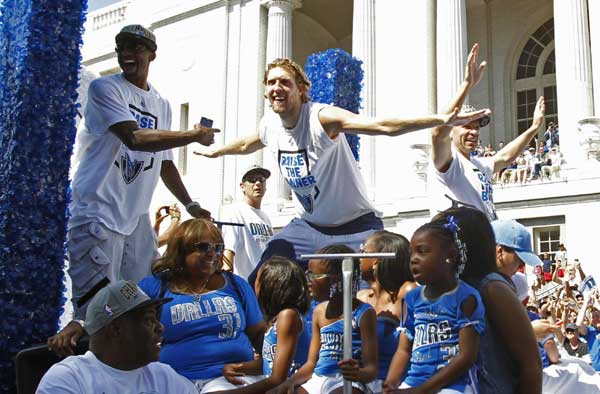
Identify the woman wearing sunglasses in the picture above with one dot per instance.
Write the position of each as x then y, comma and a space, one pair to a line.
214, 318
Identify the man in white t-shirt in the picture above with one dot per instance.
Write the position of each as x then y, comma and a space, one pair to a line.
244, 245
125, 338
307, 139
453, 172
123, 148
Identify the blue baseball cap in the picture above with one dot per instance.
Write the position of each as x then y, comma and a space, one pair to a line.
514, 235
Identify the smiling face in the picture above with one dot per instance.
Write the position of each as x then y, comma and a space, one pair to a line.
134, 58
141, 331
284, 94
202, 264
465, 138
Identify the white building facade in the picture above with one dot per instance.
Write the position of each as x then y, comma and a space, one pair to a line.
211, 56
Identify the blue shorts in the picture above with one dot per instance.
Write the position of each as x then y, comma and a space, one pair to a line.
300, 237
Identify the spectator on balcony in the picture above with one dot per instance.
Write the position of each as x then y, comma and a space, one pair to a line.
553, 163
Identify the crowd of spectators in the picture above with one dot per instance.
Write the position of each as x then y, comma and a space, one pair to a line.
541, 162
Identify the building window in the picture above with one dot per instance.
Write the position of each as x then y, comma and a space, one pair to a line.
525, 107
551, 104
536, 76
548, 239
183, 126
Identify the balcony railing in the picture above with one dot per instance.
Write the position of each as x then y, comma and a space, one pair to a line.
110, 15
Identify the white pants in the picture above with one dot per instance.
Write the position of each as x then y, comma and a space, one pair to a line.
318, 384
95, 252
468, 390
220, 383
570, 375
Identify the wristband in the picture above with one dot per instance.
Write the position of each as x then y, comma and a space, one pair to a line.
192, 204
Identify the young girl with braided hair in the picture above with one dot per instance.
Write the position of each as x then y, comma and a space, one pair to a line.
445, 317
325, 367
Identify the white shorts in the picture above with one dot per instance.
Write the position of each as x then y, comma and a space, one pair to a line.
468, 390
220, 383
318, 384
95, 252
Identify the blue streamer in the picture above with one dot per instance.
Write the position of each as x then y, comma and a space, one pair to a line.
39, 61
336, 78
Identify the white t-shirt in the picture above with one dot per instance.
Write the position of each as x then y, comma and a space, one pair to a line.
326, 183
113, 184
467, 181
248, 242
86, 374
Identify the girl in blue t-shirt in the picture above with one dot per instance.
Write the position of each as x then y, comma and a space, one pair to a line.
283, 296
391, 281
325, 367
441, 315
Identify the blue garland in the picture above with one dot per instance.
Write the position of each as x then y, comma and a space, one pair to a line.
336, 78
39, 61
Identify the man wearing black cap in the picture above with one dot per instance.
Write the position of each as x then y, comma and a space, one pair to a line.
454, 172
244, 245
125, 338
123, 147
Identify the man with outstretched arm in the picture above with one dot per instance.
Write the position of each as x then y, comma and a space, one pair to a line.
307, 139
453, 171
123, 147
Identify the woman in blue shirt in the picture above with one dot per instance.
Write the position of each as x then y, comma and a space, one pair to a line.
214, 318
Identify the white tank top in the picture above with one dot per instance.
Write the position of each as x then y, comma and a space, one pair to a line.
327, 186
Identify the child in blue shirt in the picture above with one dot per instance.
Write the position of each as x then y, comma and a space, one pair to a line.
282, 293
441, 315
325, 367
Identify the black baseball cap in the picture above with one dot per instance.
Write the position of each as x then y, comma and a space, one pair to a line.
138, 32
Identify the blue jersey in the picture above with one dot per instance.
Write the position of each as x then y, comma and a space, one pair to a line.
203, 335
270, 348
332, 343
388, 336
432, 325
593, 341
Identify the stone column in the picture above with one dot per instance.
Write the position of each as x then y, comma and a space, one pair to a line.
594, 15
451, 48
573, 74
279, 45
422, 149
363, 48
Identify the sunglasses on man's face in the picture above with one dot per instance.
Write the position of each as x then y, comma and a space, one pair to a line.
130, 46
255, 178
207, 247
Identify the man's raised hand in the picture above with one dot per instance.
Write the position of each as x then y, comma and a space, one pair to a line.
205, 135
474, 71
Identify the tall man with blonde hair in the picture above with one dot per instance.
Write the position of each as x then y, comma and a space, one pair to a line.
307, 139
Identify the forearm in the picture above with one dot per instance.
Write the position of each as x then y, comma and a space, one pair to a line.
367, 373
510, 152
397, 127
552, 351
253, 367
163, 238
458, 366
303, 374
150, 140
397, 367
172, 180
243, 146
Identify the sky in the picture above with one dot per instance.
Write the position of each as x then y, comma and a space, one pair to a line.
95, 4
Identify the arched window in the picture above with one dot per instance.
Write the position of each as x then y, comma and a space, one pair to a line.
536, 76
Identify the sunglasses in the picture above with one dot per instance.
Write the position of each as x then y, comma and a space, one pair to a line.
207, 247
255, 178
311, 277
131, 46
570, 331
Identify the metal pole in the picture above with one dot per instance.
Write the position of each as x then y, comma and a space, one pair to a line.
347, 269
